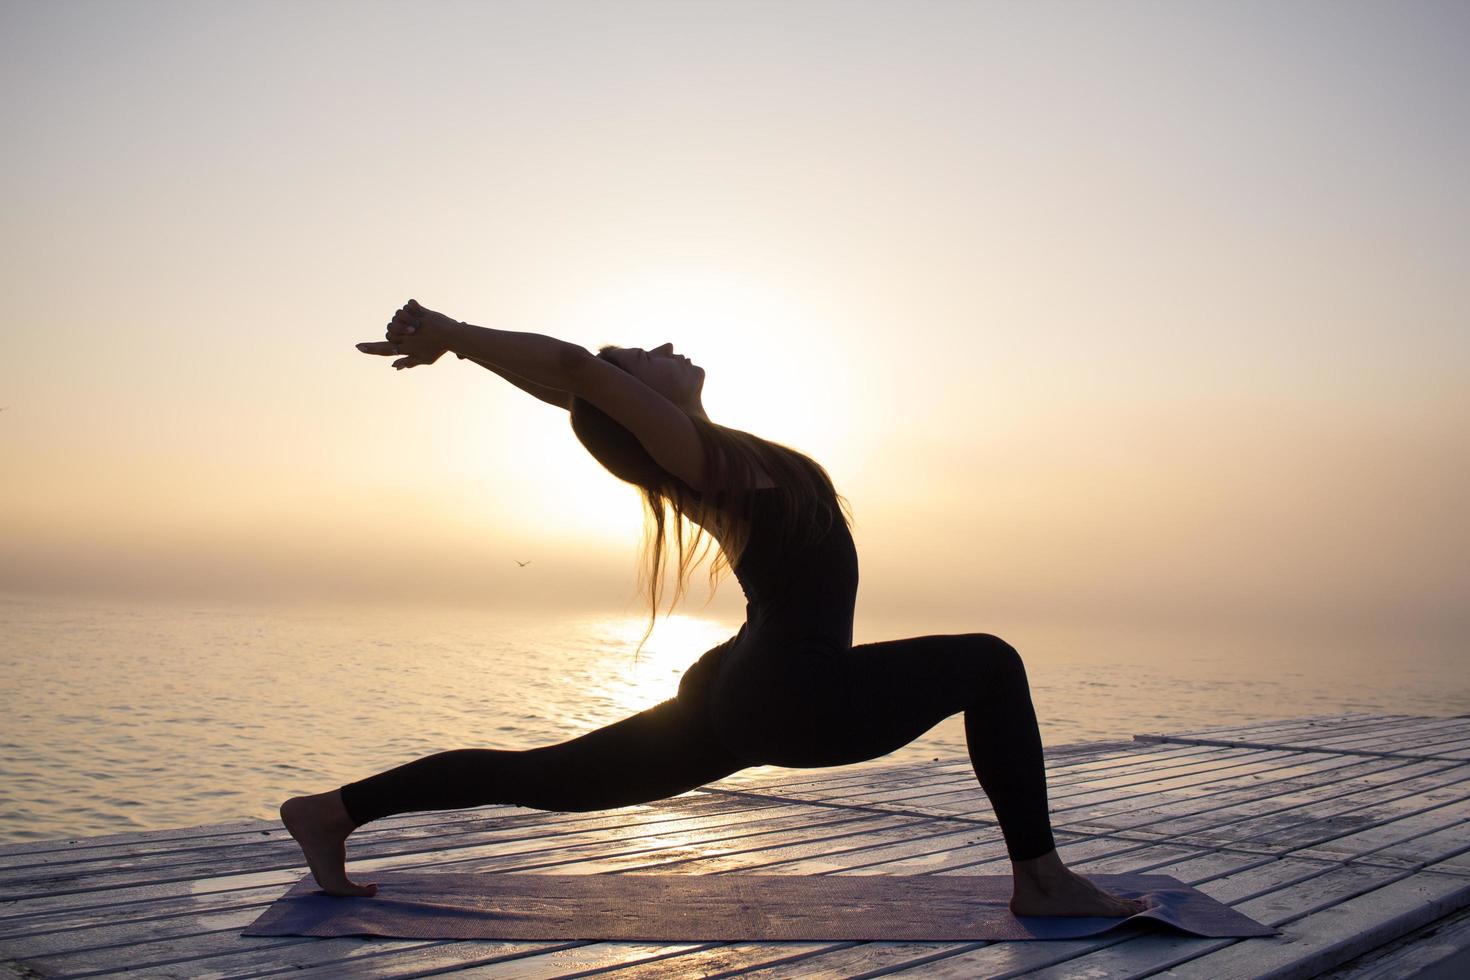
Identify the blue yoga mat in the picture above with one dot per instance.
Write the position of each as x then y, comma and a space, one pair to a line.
675, 908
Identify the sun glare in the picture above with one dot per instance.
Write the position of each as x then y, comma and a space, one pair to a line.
676, 640
759, 341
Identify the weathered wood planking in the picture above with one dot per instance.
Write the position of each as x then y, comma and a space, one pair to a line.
1438, 951
1349, 832
1433, 738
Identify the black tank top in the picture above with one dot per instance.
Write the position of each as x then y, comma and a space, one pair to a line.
795, 590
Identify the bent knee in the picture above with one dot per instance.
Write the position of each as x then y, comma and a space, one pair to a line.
991, 643
998, 652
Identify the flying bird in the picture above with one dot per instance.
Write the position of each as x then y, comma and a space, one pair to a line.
523, 564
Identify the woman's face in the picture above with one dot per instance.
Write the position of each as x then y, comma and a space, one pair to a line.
672, 375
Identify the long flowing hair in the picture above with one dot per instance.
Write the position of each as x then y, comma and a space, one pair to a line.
733, 460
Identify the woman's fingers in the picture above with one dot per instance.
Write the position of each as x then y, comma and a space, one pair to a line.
403, 326
383, 347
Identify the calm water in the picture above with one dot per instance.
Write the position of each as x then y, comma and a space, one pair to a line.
122, 716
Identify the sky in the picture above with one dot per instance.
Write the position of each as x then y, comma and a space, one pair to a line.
1110, 312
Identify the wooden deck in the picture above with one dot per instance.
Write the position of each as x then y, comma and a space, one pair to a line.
1350, 833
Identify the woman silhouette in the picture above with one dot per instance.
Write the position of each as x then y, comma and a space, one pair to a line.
789, 689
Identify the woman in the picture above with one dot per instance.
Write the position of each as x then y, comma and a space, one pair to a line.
789, 689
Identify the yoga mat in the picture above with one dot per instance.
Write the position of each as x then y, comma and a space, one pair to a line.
675, 908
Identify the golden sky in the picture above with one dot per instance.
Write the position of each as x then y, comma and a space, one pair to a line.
1114, 311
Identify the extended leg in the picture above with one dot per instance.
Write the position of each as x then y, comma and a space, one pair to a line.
655, 754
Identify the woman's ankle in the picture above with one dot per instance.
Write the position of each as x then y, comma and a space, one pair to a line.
1048, 865
341, 816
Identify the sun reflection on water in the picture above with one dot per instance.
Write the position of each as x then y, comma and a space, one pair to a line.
675, 643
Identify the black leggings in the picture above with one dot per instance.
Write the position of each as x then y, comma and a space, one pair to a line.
807, 708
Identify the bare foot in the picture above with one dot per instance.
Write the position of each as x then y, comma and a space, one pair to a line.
320, 825
1045, 886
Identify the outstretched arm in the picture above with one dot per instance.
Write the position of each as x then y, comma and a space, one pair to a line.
417, 335
552, 396
537, 358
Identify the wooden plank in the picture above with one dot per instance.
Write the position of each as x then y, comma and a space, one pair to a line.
1448, 848
1303, 819
1178, 815
1294, 772
1309, 728
344, 956
786, 959
1417, 741
593, 957
528, 825
971, 804
554, 830
148, 848
1222, 743
957, 775
974, 806
1437, 951
968, 801
1057, 776
1336, 934
1409, 838
447, 824
285, 854
982, 856
1329, 820
1062, 788
1385, 726
163, 840
1293, 724
1458, 749
1270, 770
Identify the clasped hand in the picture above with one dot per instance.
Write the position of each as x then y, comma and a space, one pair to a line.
416, 335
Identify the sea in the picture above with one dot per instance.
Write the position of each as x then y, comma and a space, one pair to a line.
125, 715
